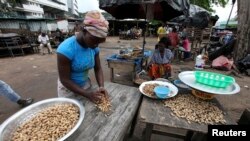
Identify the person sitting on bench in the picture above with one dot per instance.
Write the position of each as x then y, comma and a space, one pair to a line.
43, 39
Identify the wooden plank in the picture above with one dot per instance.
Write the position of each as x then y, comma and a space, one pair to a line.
97, 127
173, 135
122, 72
111, 74
122, 76
124, 82
154, 112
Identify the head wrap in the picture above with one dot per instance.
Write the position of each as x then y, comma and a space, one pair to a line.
95, 24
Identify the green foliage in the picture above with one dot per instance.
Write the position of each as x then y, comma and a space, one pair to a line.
155, 22
7, 7
4, 7
207, 4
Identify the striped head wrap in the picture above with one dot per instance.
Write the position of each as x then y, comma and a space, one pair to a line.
96, 24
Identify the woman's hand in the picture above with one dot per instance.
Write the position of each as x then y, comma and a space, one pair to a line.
103, 91
94, 96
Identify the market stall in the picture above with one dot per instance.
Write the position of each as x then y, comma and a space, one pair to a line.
189, 111
124, 66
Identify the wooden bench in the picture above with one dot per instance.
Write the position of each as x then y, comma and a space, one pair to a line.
12, 45
33, 43
24, 44
16, 45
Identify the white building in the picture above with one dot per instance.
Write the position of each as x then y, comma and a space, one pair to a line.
73, 7
42, 8
46, 15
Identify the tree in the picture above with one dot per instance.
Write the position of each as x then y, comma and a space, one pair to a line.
207, 4
7, 7
243, 30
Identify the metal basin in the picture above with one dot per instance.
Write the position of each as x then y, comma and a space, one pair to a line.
11, 124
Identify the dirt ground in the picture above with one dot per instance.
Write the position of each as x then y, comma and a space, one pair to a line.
36, 76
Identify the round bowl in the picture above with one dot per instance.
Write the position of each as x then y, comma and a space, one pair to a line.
182, 87
11, 124
180, 84
202, 95
161, 91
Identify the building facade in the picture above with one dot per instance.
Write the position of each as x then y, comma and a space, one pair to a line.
42, 8
35, 14
73, 7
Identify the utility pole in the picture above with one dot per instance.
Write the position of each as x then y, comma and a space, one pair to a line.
230, 13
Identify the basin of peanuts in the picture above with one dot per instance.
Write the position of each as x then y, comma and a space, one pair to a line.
51, 120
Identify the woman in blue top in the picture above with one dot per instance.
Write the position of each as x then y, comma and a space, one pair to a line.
78, 54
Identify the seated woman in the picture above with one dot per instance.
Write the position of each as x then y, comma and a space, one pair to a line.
159, 66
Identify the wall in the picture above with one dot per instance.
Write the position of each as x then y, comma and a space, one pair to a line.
33, 15
31, 25
33, 7
9, 24
52, 26
37, 25
71, 26
63, 25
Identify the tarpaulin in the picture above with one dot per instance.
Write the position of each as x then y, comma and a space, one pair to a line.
150, 9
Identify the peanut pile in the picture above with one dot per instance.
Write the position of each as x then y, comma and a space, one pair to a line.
139, 81
194, 109
50, 124
148, 89
105, 104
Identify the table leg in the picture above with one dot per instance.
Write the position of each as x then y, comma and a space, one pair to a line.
133, 124
147, 132
189, 135
111, 74
132, 127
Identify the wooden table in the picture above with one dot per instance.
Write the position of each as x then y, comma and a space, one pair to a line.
153, 112
97, 126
